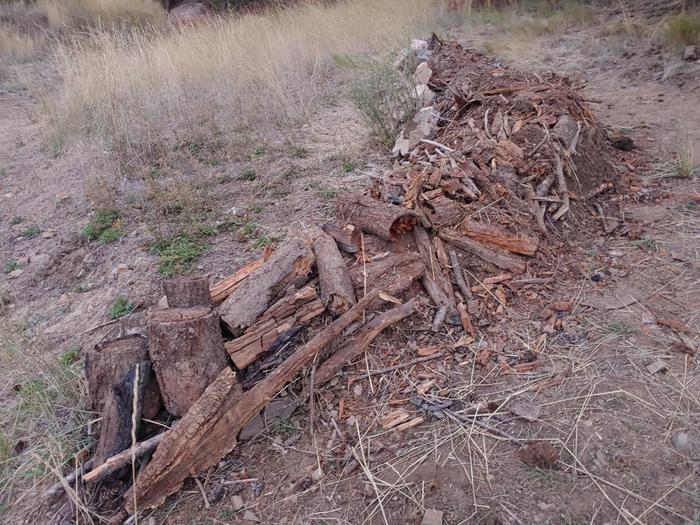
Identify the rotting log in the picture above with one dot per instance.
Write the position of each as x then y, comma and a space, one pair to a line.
222, 289
355, 346
499, 258
198, 443
289, 313
337, 293
492, 234
291, 260
434, 268
385, 272
184, 292
187, 353
347, 236
382, 219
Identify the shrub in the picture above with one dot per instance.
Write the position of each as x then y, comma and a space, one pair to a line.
104, 226
682, 30
177, 252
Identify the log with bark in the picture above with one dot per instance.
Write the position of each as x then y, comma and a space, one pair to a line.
187, 353
291, 260
183, 292
222, 289
347, 236
492, 234
337, 293
287, 314
386, 272
197, 443
384, 220
499, 258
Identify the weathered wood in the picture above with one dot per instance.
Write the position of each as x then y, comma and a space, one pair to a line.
202, 442
291, 260
492, 234
187, 353
384, 220
183, 292
117, 461
444, 212
434, 269
384, 272
337, 293
347, 236
498, 258
459, 277
355, 346
221, 290
294, 310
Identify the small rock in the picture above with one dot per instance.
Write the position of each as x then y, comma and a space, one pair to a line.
15, 273
48, 234
622, 142
432, 517
539, 454
423, 73
690, 53
681, 440
249, 515
237, 502
357, 390
657, 366
351, 421
525, 410
648, 318
317, 474
62, 196
162, 303
545, 506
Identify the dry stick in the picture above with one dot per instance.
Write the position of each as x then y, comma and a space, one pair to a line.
561, 182
459, 276
134, 412
408, 363
70, 478
119, 460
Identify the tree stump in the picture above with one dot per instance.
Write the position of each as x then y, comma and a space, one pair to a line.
187, 353
184, 292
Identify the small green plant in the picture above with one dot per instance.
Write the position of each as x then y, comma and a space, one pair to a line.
80, 288
349, 165
177, 252
31, 231
619, 328
248, 174
104, 227
285, 427
16, 220
3, 173
647, 243
262, 240
248, 229
298, 152
206, 230
69, 357
11, 266
325, 191
259, 151
682, 30
120, 307
255, 208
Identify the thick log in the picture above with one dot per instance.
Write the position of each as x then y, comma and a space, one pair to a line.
183, 292
291, 260
337, 293
386, 272
355, 346
347, 236
289, 313
202, 442
492, 234
384, 220
221, 290
187, 353
498, 258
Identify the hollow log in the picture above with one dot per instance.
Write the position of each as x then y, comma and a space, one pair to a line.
355, 346
290, 312
492, 234
183, 292
337, 293
385, 272
498, 258
197, 443
222, 289
187, 353
347, 236
384, 220
291, 260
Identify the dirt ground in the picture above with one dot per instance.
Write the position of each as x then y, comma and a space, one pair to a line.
628, 436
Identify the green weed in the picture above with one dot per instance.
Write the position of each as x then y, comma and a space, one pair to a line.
619, 328
31, 231
120, 307
177, 252
248, 174
646, 243
349, 165
682, 30
104, 227
16, 220
11, 266
325, 191
69, 357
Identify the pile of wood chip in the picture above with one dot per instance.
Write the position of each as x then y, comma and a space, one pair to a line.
484, 175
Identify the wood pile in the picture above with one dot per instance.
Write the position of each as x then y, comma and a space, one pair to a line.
466, 211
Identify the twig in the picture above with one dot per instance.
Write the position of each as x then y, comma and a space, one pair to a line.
69, 478
475, 420
407, 364
561, 182
134, 414
119, 460
438, 145
459, 276
439, 318
201, 489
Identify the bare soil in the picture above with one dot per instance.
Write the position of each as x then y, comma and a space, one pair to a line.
615, 424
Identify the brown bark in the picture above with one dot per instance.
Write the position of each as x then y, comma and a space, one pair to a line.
337, 294
291, 260
346, 236
498, 258
385, 272
434, 269
221, 290
357, 344
197, 443
187, 353
297, 309
384, 220
492, 234
444, 212
183, 292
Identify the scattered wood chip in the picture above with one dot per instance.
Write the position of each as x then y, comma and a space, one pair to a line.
424, 387
394, 418
657, 366
498, 278
409, 424
563, 306
389, 298
673, 324
429, 350
432, 517
526, 410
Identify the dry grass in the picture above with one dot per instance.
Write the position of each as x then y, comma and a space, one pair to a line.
62, 14
683, 29
144, 87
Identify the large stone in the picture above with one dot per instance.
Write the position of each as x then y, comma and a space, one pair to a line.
690, 53
422, 126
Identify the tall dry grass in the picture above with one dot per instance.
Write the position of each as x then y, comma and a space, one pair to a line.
143, 87
106, 13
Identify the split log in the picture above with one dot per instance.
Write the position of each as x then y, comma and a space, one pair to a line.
384, 220
386, 272
444, 212
197, 443
346, 236
499, 258
492, 234
289, 313
221, 290
109, 363
337, 293
291, 260
434, 269
355, 346
183, 292
187, 353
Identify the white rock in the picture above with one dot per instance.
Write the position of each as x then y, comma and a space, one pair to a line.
357, 390
249, 515
423, 73
681, 440
237, 502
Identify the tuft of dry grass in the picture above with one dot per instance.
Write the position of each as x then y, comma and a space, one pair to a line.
61, 14
682, 29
